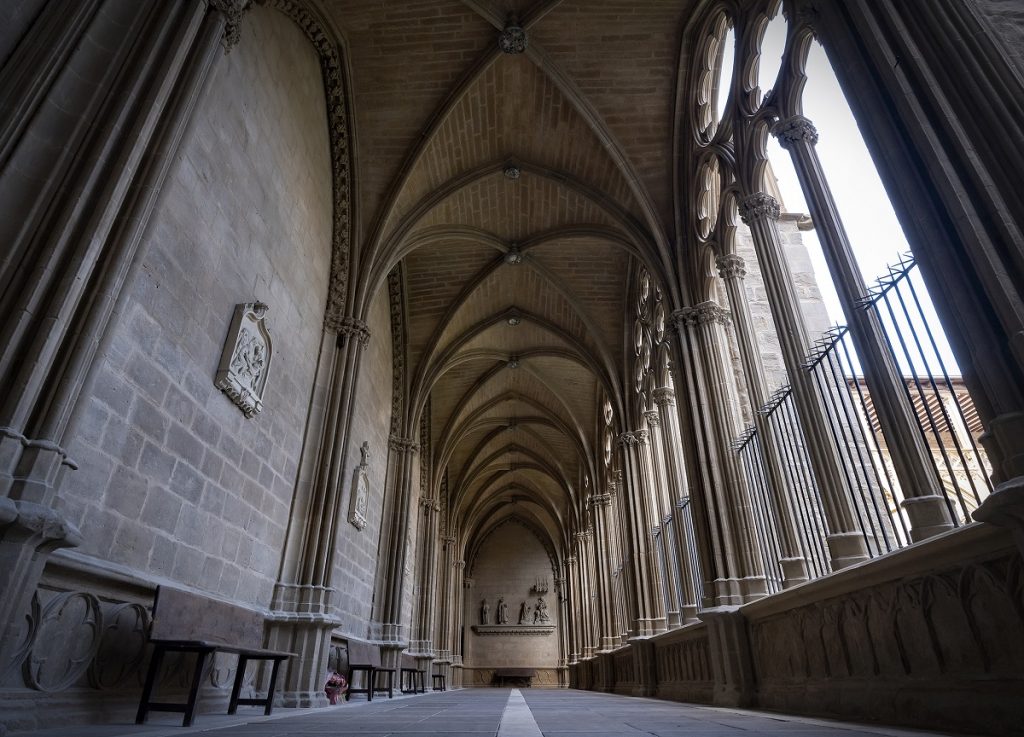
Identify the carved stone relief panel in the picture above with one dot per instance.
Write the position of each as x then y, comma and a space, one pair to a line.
245, 360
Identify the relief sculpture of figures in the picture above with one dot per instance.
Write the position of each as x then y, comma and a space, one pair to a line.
540, 614
524, 613
502, 611
485, 612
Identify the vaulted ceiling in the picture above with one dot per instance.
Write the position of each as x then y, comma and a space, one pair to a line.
519, 192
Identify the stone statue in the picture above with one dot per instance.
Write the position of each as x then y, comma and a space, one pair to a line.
485, 612
364, 452
524, 613
502, 611
540, 614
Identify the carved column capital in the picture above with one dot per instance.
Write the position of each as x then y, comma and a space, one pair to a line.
402, 445
731, 266
797, 129
664, 396
630, 439
448, 541
601, 500
349, 326
232, 10
653, 418
759, 206
700, 314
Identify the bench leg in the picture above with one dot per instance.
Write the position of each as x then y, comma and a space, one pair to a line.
271, 687
237, 688
193, 693
147, 691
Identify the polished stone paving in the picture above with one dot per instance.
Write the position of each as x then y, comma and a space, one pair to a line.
494, 712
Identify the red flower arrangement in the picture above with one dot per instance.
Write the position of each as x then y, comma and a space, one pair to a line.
336, 685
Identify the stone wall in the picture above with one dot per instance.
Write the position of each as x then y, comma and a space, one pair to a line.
175, 482
508, 563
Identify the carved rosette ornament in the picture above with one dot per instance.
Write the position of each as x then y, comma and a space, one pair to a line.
797, 129
512, 38
245, 360
359, 498
232, 10
731, 266
759, 206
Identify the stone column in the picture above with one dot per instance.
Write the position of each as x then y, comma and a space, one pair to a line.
677, 489
648, 618
600, 506
666, 504
845, 537
571, 575
459, 586
394, 546
96, 102
741, 579
732, 269
302, 608
426, 572
562, 604
924, 502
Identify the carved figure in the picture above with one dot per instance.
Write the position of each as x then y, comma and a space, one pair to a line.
524, 613
540, 614
502, 611
364, 453
485, 612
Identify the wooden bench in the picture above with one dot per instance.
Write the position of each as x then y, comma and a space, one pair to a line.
184, 622
416, 675
365, 658
521, 677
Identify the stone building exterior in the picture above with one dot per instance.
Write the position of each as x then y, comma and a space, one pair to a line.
359, 315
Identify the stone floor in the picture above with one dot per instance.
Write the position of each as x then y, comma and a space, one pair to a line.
496, 712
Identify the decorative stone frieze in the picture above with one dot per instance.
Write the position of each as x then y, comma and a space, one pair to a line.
245, 360
353, 327
731, 266
759, 206
795, 130
360, 495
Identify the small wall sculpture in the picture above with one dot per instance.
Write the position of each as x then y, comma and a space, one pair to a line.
245, 360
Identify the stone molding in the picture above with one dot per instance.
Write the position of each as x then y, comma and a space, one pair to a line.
335, 92
731, 266
759, 206
797, 129
245, 358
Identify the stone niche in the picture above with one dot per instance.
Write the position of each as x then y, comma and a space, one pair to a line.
509, 563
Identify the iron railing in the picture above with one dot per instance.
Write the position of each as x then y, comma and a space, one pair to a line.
945, 417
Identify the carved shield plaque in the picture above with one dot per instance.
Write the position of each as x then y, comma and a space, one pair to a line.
245, 361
